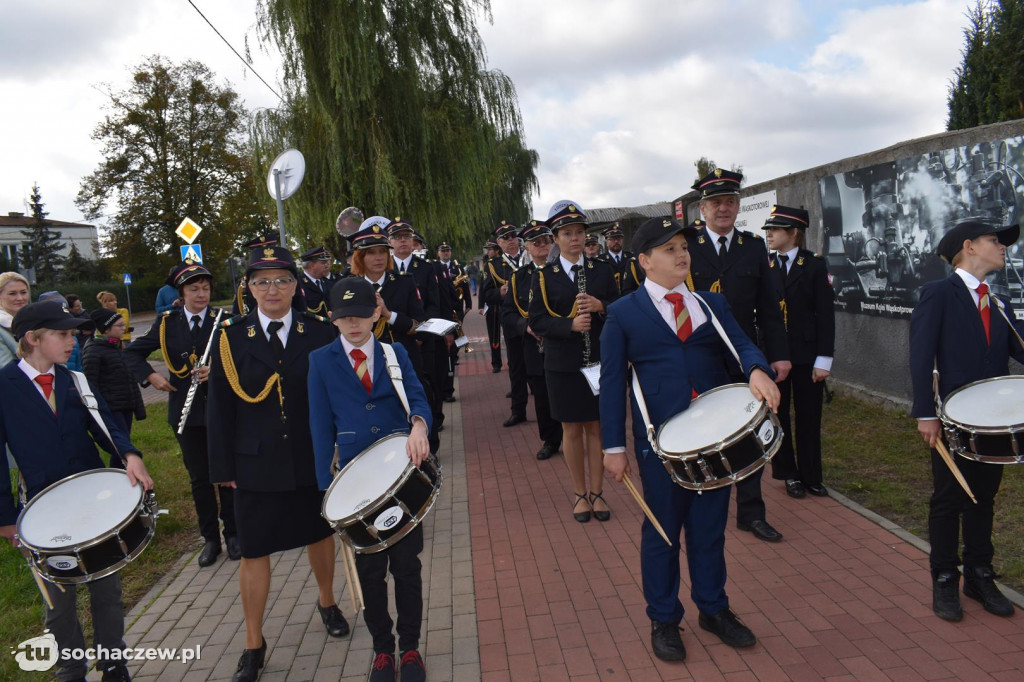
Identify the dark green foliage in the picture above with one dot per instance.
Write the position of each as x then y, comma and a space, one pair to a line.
395, 111
43, 245
78, 268
988, 86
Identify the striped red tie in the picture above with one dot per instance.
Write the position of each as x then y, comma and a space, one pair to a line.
46, 382
361, 370
684, 325
985, 311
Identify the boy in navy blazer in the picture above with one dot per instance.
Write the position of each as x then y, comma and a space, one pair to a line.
51, 435
955, 330
353, 404
666, 334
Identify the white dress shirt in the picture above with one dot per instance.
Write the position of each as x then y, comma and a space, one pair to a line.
282, 333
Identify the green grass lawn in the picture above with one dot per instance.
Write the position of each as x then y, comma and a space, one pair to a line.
21, 606
875, 457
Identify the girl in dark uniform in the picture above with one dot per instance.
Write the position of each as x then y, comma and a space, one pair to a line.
569, 298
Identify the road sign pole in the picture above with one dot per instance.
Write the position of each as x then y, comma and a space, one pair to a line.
280, 205
128, 298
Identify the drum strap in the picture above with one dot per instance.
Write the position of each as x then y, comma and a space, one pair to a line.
91, 404
999, 307
718, 328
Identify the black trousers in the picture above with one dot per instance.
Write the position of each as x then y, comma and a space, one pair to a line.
493, 319
805, 463
428, 376
517, 373
949, 508
204, 494
107, 610
403, 561
448, 388
549, 429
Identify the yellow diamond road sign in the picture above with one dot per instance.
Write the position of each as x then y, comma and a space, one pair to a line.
188, 230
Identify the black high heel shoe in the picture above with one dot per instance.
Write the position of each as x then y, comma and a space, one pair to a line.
250, 663
599, 515
582, 517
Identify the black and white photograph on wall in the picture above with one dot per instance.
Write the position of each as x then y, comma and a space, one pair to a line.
882, 223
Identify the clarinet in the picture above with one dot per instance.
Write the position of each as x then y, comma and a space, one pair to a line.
581, 283
194, 386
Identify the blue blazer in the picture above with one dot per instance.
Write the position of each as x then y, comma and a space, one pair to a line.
669, 369
342, 414
946, 327
48, 446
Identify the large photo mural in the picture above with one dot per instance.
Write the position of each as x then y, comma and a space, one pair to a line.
882, 223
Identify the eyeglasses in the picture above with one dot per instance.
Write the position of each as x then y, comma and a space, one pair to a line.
541, 241
279, 283
509, 236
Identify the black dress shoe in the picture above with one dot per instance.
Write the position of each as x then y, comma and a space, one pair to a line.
509, 394
666, 642
336, 624
116, 673
495, 370
211, 550
515, 419
946, 597
818, 490
761, 530
250, 663
582, 516
449, 399
547, 451
795, 488
979, 584
599, 515
728, 627
234, 548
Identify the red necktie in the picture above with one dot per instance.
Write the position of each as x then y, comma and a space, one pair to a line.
361, 370
684, 325
46, 381
985, 311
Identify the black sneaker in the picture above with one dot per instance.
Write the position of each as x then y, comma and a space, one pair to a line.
728, 627
979, 584
117, 673
946, 597
383, 669
666, 642
413, 669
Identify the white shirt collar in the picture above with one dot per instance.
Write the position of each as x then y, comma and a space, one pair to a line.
399, 262
970, 280
189, 314
379, 281
568, 264
265, 321
30, 371
367, 347
658, 292
728, 237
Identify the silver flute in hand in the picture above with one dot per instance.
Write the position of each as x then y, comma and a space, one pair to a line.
194, 386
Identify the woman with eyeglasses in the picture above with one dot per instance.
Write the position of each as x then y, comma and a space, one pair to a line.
260, 444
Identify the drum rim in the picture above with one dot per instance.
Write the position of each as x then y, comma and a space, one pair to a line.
949, 421
387, 492
92, 541
415, 519
728, 442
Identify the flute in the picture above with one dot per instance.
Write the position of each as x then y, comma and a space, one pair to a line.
194, 386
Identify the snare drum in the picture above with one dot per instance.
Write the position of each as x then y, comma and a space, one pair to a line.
984, 420
379, 497
87, 526
723, 437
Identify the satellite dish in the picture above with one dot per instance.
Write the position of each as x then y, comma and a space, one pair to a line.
288, 169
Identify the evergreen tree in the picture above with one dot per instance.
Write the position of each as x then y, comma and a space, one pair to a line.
988, 85
42, 248
395, 111
77, 268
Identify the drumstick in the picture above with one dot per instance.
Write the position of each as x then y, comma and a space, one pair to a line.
348, 576
948, 459
643, 505
42, 587
354, 584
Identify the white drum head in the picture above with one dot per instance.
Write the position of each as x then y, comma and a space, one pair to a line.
366, 478
79, 509
992, 403
711, 418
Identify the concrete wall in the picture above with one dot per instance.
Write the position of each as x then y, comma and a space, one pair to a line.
871, 351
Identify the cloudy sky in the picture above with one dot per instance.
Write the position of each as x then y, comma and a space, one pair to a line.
619, 97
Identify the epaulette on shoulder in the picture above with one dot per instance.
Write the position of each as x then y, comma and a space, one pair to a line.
313, 316
167, 312
750, 234
231, 321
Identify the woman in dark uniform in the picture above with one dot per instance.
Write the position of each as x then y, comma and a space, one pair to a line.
260, 443
569, 298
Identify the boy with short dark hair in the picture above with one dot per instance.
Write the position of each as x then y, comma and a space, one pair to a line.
350, 378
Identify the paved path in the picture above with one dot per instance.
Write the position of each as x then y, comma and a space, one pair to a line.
517, 590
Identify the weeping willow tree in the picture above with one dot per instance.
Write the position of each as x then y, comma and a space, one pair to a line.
392, 105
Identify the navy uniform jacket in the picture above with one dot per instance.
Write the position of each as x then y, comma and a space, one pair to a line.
342, 413
946, 327
746, 282
554, 294
425, 277
668, 369
402, 297
263, 446
46, 446
515, 317
619, 268
177, 332
497, 272
449, 302
632, 276
463, 292
316, 302
809, 309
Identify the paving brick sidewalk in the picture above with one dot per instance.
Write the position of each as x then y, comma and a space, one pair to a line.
842, 598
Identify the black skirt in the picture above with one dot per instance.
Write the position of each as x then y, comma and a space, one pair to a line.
271, 522
570, 397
